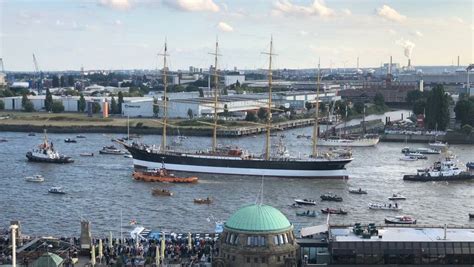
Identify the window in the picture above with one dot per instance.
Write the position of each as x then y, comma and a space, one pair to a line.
280, 239
263, 259
248, 259
261, 241
255, 260
278, 258
236, 240
249, 241
233, 258
232, 239
275, 240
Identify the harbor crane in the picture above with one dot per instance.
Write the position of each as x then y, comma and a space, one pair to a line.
37, 80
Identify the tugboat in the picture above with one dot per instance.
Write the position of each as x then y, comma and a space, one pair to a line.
38, 178
305, 202
397, 196
331, 197
400, 220
307, 213
440, 171
47, 154
161, 192
334, 211
56, 190
111, 150
358, 191
69, 140
384, 206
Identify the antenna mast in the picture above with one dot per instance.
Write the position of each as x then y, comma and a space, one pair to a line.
269, 117
216, 91
315, 125
165, 99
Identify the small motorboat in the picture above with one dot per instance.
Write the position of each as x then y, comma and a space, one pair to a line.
295, 206
161, 192
400, 220
56, 190
357, 191
31, 134
203, 200
307, 213
3, 140
334, 211
470, 165
416, 155
305, 202
111, 150
80, 136
128, 156
427, 151
397, 196
38, 178
86, 154
331, 197
438, 144
384, 206
409, 158
471, 215
69, 140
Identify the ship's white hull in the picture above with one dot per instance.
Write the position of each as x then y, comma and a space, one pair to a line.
363, 142
246, 171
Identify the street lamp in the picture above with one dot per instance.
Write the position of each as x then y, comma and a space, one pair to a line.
13, 227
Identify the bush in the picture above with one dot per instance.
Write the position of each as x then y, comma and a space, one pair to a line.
251, 116
28, 106
95, 107
57, 107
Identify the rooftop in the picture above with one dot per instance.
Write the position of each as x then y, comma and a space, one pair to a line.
407, 234
258, 218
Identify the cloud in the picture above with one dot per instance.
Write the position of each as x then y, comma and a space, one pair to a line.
193, 5
118, 22
392, 31
303, 33
222, 26
317, 8
116, 4
347, 11
458, 20
418, 34
407, 47
389, 13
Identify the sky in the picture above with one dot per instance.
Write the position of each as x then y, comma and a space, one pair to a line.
129, 34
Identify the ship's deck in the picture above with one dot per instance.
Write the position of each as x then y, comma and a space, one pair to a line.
406, 234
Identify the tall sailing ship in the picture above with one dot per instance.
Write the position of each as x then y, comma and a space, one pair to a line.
229, 160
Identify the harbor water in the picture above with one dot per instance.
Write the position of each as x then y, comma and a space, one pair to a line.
101, 189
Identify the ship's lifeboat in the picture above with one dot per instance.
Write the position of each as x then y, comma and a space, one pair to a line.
161, 192
162, 175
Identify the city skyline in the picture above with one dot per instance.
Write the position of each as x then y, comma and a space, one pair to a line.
128, 34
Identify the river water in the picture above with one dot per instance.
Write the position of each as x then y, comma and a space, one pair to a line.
100, 188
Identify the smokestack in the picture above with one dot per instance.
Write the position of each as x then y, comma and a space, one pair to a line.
458, 61
390, 66
409, 63
358, 63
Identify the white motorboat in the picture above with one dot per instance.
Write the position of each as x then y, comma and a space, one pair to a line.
384, 206
305, 202
438, 144
111, 150
417, 155
38, 178
397, 196
363, 141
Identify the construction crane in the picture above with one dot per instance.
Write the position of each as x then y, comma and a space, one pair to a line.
37, 83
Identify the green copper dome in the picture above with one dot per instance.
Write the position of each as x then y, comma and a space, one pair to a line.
258, 218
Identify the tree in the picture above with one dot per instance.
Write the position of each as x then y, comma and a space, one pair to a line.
237, 84
262, 113
48, 100
70, 80
379, 100
24, 99
113, 106
55, 82
2, 105
201, 92
63, 81
57, 106
437, 113
419, 107
359, 107
190, 114
250, 116
413, 96
156, 108
81, 104
464, 110
120, 102
28, 106
308, 105
95, 107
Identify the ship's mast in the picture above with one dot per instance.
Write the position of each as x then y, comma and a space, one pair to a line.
216, 92
269, 117
315, 125
165, 100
